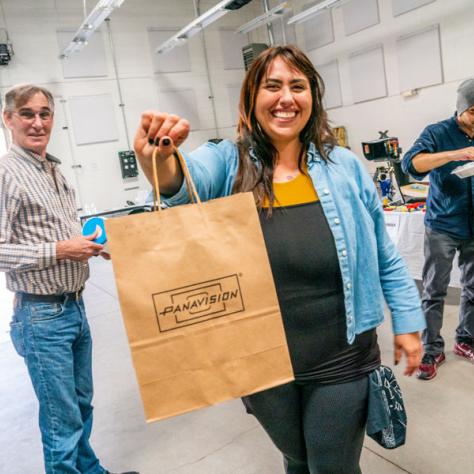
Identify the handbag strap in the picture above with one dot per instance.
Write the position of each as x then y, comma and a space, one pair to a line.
193, 194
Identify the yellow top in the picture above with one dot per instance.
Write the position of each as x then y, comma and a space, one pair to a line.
299, 190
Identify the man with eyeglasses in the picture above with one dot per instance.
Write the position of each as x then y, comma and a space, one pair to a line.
45, 260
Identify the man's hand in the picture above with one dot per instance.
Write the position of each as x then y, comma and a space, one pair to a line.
425, 162
79, 249
464, 154
410, 344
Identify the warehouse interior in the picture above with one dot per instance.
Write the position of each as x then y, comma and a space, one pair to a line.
389, 66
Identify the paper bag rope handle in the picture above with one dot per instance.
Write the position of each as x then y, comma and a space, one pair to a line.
193, 195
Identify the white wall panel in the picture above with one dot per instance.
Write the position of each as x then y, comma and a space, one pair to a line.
318, 30
93, 119
368, 74
176, 60
90, 62
232, 44
419, 59
402, 6
330, 74
359, 15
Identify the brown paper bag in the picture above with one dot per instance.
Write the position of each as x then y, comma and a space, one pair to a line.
199, 304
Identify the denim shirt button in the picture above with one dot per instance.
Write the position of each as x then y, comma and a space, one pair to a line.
349, 285
326, 191
337, 221
344, 253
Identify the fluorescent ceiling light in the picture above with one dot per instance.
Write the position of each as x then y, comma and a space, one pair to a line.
195, 26
95, 18
307, 14
267, 17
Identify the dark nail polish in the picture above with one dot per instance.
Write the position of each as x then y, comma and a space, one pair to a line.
151, 141
166, 141
157, 142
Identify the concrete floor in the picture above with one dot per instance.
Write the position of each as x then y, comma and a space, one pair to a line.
222, 439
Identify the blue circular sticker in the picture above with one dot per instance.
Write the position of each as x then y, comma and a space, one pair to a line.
93, 224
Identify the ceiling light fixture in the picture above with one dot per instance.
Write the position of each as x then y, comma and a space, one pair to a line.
307, 14
268, 17
199, 23
95, 18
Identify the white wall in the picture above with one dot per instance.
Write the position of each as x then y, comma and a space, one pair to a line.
32, 27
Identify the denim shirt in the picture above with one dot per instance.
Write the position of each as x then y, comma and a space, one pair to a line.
371, 267
450, 202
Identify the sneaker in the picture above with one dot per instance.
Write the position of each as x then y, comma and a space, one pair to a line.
462, 349
429, 366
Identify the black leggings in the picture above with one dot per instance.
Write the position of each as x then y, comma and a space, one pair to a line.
318, 428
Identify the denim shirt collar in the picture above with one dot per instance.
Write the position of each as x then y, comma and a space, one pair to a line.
311, 154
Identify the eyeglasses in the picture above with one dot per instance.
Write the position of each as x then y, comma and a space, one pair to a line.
28, 115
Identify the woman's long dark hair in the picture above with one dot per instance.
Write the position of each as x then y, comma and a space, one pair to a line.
250, 133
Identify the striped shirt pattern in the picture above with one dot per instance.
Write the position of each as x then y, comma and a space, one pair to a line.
36, 211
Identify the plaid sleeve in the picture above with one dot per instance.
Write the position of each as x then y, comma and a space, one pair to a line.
18, 257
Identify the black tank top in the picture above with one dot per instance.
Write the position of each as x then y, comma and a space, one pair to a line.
308, 281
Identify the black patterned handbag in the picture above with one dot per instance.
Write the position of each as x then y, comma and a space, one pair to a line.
386, 418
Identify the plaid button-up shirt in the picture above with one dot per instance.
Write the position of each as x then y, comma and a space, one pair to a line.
37, 209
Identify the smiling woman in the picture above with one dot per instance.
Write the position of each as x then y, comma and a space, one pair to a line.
322, 220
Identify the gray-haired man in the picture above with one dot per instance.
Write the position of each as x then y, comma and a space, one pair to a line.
45, 260
449, 222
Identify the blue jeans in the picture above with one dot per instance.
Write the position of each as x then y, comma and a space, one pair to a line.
440, 250
55, 341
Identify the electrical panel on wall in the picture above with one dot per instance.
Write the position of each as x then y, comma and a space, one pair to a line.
128, 164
